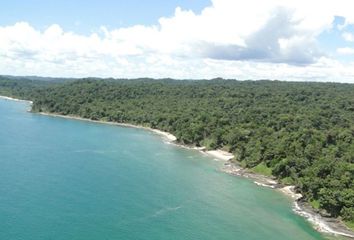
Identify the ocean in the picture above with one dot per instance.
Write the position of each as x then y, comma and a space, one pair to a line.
70, 179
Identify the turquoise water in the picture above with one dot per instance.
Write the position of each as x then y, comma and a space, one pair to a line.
67, 179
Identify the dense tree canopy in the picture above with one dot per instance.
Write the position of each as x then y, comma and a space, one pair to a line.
302, 132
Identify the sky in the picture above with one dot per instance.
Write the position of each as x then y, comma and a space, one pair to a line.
184, 39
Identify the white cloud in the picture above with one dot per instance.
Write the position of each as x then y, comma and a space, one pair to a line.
346, 51
230, 38
348, 37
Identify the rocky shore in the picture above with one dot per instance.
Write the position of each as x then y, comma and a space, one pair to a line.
321, 223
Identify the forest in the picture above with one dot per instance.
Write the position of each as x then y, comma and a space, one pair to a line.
301, 132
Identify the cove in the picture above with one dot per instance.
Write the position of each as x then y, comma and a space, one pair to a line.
68, 179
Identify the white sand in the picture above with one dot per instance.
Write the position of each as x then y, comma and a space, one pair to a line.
167, 135
290, 191
220, 154
14, 99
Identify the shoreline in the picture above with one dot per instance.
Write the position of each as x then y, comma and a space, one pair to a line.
218, 154
319, 223
326, 225
166, 135
15, 99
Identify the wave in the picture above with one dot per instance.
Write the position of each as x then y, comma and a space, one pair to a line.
165, 210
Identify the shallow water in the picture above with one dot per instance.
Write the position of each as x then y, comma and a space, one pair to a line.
68, 179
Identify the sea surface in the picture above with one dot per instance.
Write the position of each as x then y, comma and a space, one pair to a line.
67, 179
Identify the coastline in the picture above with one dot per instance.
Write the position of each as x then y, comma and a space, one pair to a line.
166, 135
220, 154
321, 224
15, 99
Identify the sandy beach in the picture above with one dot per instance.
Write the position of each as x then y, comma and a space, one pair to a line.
15, 99
220, 154
290, 191
167, 135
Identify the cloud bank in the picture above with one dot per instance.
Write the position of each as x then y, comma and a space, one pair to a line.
272, 39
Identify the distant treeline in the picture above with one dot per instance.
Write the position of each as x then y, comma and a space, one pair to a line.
302, 132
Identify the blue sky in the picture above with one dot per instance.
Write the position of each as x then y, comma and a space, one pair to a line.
87, 16
332, 39
189, 39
